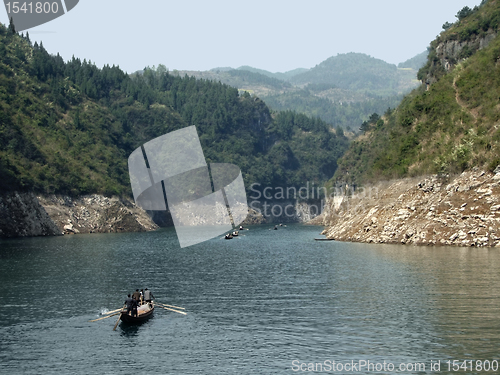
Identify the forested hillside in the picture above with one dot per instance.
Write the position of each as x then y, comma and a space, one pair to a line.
68, 127
450, 123
340, 108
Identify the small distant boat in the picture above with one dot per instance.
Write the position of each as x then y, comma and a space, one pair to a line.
324, 239
144, 312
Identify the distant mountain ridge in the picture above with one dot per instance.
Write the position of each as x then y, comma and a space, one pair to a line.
358, 72
342, 90
349, 71
415, 62
283, 76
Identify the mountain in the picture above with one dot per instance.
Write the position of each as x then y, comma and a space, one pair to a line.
415, 62
283, 76
450, 123
258, 79
343, 90
357, 72
245, 80
69, 127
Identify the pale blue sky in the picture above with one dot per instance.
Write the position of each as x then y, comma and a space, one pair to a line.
274, 35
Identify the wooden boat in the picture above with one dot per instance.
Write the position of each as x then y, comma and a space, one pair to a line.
323, 239
144, 312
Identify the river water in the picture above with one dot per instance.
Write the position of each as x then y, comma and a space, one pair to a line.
268, 302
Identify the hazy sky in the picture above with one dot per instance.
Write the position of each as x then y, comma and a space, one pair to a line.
274, 35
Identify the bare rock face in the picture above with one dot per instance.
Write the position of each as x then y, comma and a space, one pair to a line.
451, 52
254, 217
26, 215
460, 211
21, 215
96, 214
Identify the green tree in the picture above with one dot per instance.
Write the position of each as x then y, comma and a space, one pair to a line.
374, 118
365, 126
447, 25
12, 27
464, 12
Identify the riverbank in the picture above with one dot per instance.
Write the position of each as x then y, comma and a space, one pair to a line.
27, 215
31, 215
461, 210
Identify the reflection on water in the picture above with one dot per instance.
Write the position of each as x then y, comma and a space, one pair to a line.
462, 293
255, 303
129, 330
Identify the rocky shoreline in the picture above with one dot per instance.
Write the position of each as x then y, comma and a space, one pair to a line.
30, 215
460, 210
27, 214
22, 215
96, 214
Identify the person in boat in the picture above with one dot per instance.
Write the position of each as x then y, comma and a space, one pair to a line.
148, 295
130, 302
241, 227
136, 295
134, 307
142, 296
275, 227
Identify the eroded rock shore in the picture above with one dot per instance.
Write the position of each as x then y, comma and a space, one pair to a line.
460, 210
96, 214
27, 214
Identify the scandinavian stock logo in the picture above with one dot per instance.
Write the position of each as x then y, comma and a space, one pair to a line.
204, 202
28, 14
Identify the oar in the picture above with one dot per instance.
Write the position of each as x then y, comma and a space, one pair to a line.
166, 308
177, 307
112, 311
106, 317
118, 321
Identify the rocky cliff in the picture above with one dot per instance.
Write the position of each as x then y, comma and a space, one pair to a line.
463, 211
447, 54
22, 215
25, 214
474, 30
451, 52
283, 210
